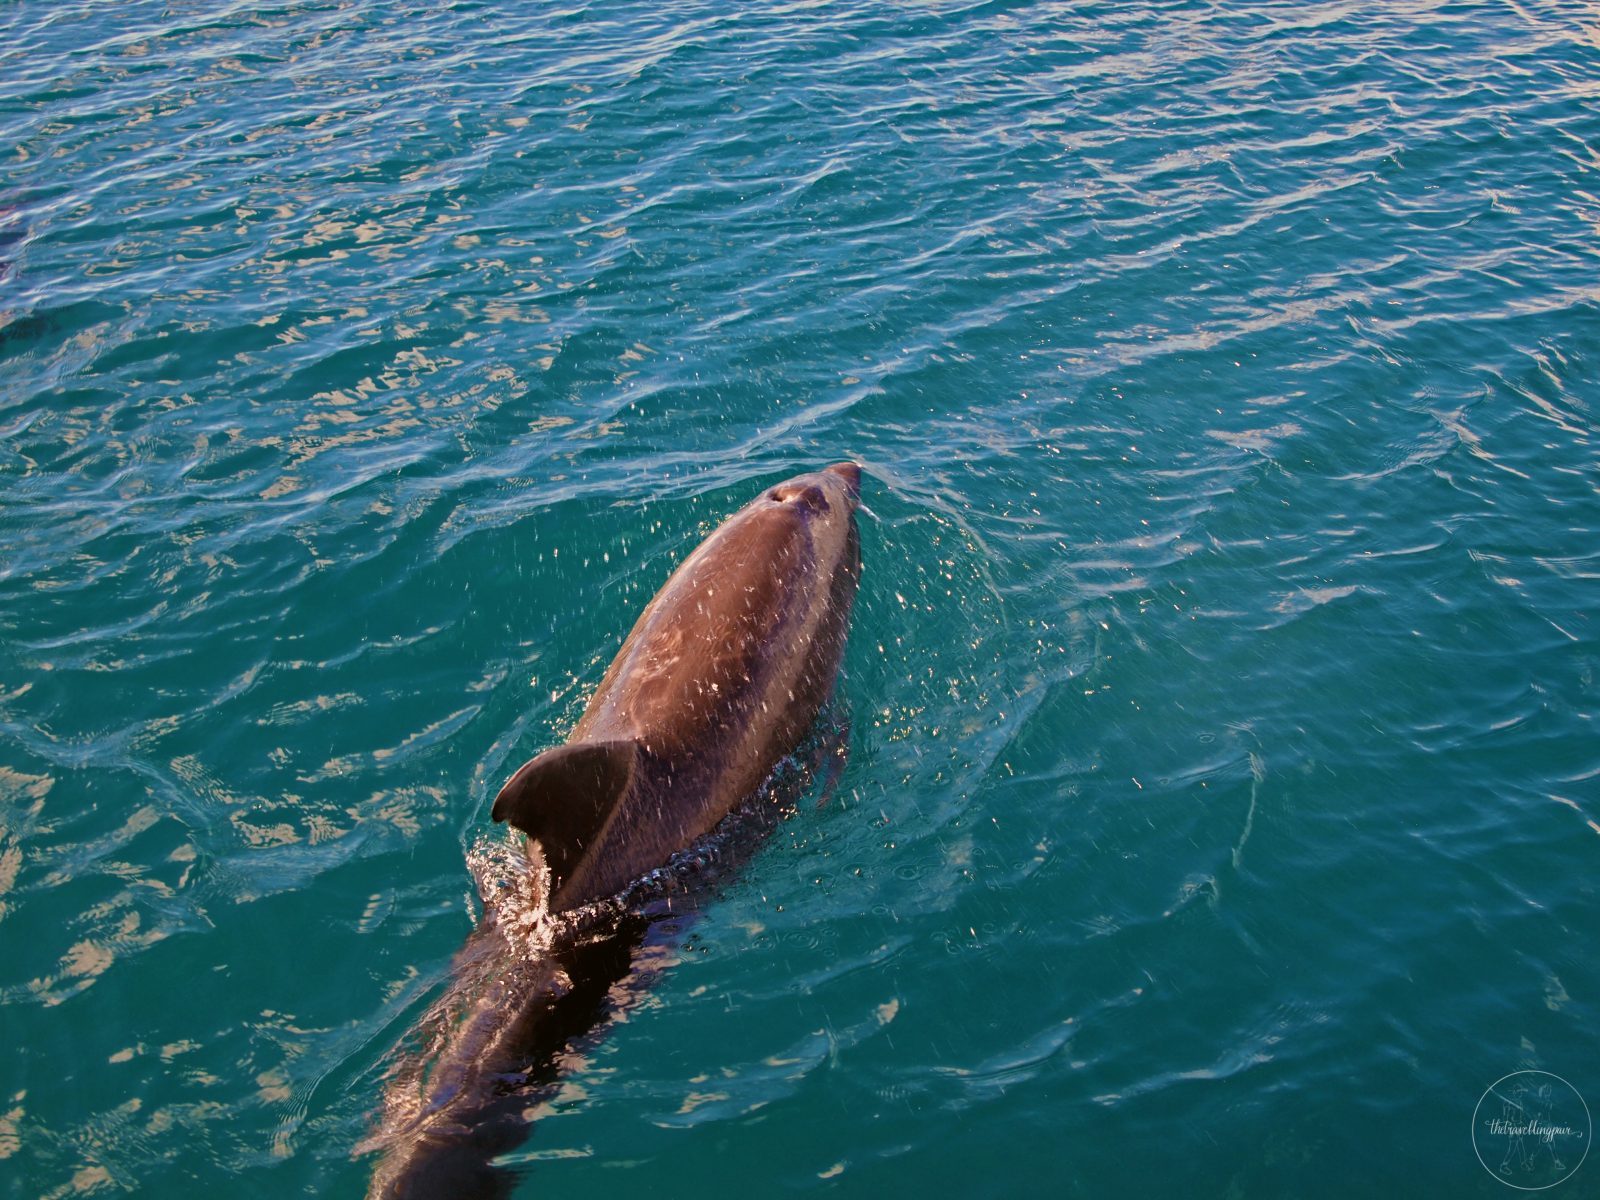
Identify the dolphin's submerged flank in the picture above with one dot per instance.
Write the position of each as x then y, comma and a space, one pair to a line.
720, 680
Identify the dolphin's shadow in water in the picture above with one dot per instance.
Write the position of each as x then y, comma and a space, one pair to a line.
528, 987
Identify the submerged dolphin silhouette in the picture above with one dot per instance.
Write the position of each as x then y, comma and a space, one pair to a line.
721, 678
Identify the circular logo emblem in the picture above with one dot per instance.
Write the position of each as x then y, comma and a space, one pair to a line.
1531, 1130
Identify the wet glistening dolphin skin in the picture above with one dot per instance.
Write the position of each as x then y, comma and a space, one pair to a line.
721, 678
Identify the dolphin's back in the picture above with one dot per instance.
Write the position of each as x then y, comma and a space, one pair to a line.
703, 648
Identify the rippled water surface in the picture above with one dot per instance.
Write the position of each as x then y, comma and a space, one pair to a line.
1223, 814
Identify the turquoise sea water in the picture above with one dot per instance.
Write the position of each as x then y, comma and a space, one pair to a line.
1223, 815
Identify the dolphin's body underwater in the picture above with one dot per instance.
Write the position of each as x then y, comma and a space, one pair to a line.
720, 680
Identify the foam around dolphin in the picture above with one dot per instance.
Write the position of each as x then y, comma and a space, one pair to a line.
720, 680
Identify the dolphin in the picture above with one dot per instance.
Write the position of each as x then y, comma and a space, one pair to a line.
720, 680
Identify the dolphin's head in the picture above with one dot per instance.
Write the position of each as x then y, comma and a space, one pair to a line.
824, 498
840, 483
825, 503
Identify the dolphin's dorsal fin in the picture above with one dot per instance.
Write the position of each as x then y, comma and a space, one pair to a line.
564, 797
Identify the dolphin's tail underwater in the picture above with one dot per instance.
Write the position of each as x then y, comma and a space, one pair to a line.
496, 1036
492, 1044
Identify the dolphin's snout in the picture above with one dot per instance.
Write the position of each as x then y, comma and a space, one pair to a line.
850, 473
